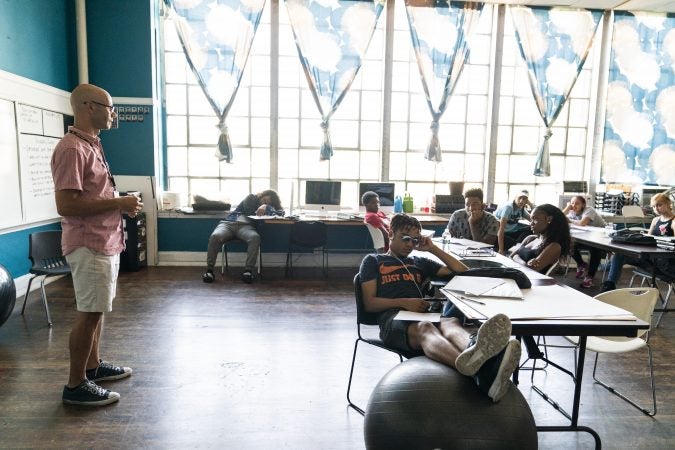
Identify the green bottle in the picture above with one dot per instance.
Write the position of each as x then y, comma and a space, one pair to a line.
408, 204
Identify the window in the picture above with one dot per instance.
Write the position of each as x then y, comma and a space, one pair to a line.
281, 150
463, 132
520, 129
191, 133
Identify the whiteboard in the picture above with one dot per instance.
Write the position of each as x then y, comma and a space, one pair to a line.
29, 119
10, 198
32, 120
37, 185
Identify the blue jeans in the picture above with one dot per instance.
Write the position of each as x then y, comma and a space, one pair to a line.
616, 265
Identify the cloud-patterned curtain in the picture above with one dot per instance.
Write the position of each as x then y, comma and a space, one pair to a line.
332, 37
639, 142
440, 31
216, 36
554, 43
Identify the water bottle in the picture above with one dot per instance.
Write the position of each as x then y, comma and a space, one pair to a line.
446, 240
398, 205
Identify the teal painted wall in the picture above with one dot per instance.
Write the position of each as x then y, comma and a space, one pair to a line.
191, 235
37, 41
130, 148
119, 38
119, 41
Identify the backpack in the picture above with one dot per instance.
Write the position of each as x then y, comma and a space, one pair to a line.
632, 237
499, 272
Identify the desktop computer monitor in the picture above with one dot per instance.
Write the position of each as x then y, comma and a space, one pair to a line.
384, 190
322, 195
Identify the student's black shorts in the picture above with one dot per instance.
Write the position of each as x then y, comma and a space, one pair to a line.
394, 333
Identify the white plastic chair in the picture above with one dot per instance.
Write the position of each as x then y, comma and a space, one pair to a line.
647, 276
634, 212
377, 237
552, 268
640, 302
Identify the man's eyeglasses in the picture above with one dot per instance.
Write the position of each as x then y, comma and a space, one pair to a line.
415, 241
111, 108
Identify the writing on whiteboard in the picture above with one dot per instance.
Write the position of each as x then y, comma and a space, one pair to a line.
37, 186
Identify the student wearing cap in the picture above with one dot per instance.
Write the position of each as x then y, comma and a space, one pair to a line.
374, 216
511, 231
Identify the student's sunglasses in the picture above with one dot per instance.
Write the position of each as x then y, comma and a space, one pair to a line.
415, 241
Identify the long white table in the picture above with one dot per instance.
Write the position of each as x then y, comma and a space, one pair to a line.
553, 309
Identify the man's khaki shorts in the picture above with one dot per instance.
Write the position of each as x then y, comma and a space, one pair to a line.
94, 279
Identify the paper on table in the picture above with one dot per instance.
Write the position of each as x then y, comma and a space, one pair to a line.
508, 290
543, 303
484, 286
254, 217
418, 317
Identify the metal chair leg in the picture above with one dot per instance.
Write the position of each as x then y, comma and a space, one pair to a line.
351, 374
623, 397
25, 297
289, 263
44, 301
665, 303
224, 266
349, 384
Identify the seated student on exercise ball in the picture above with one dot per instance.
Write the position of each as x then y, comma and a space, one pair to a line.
392, 281
473, 222
662, 225
511, 231
550, 239
237, 225
374, 216
578, 213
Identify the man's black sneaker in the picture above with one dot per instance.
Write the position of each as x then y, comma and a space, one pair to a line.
108, 371
491, 338
208, 276
247, 277
608, 286
89, 393
493, 376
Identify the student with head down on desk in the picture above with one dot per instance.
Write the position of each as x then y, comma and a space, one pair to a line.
392, 282
237, 225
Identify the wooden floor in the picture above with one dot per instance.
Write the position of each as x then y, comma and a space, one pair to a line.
261, 366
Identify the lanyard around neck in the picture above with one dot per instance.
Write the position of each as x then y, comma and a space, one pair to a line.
100, 155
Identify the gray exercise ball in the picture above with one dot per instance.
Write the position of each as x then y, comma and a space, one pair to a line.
7, 294
423, 404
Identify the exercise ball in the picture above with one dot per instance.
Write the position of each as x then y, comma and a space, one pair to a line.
7, 294
423, 404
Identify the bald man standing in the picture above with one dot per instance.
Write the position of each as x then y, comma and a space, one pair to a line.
92, 240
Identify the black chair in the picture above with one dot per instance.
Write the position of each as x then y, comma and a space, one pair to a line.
44, 251
366, 318
306, 235
225, 266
